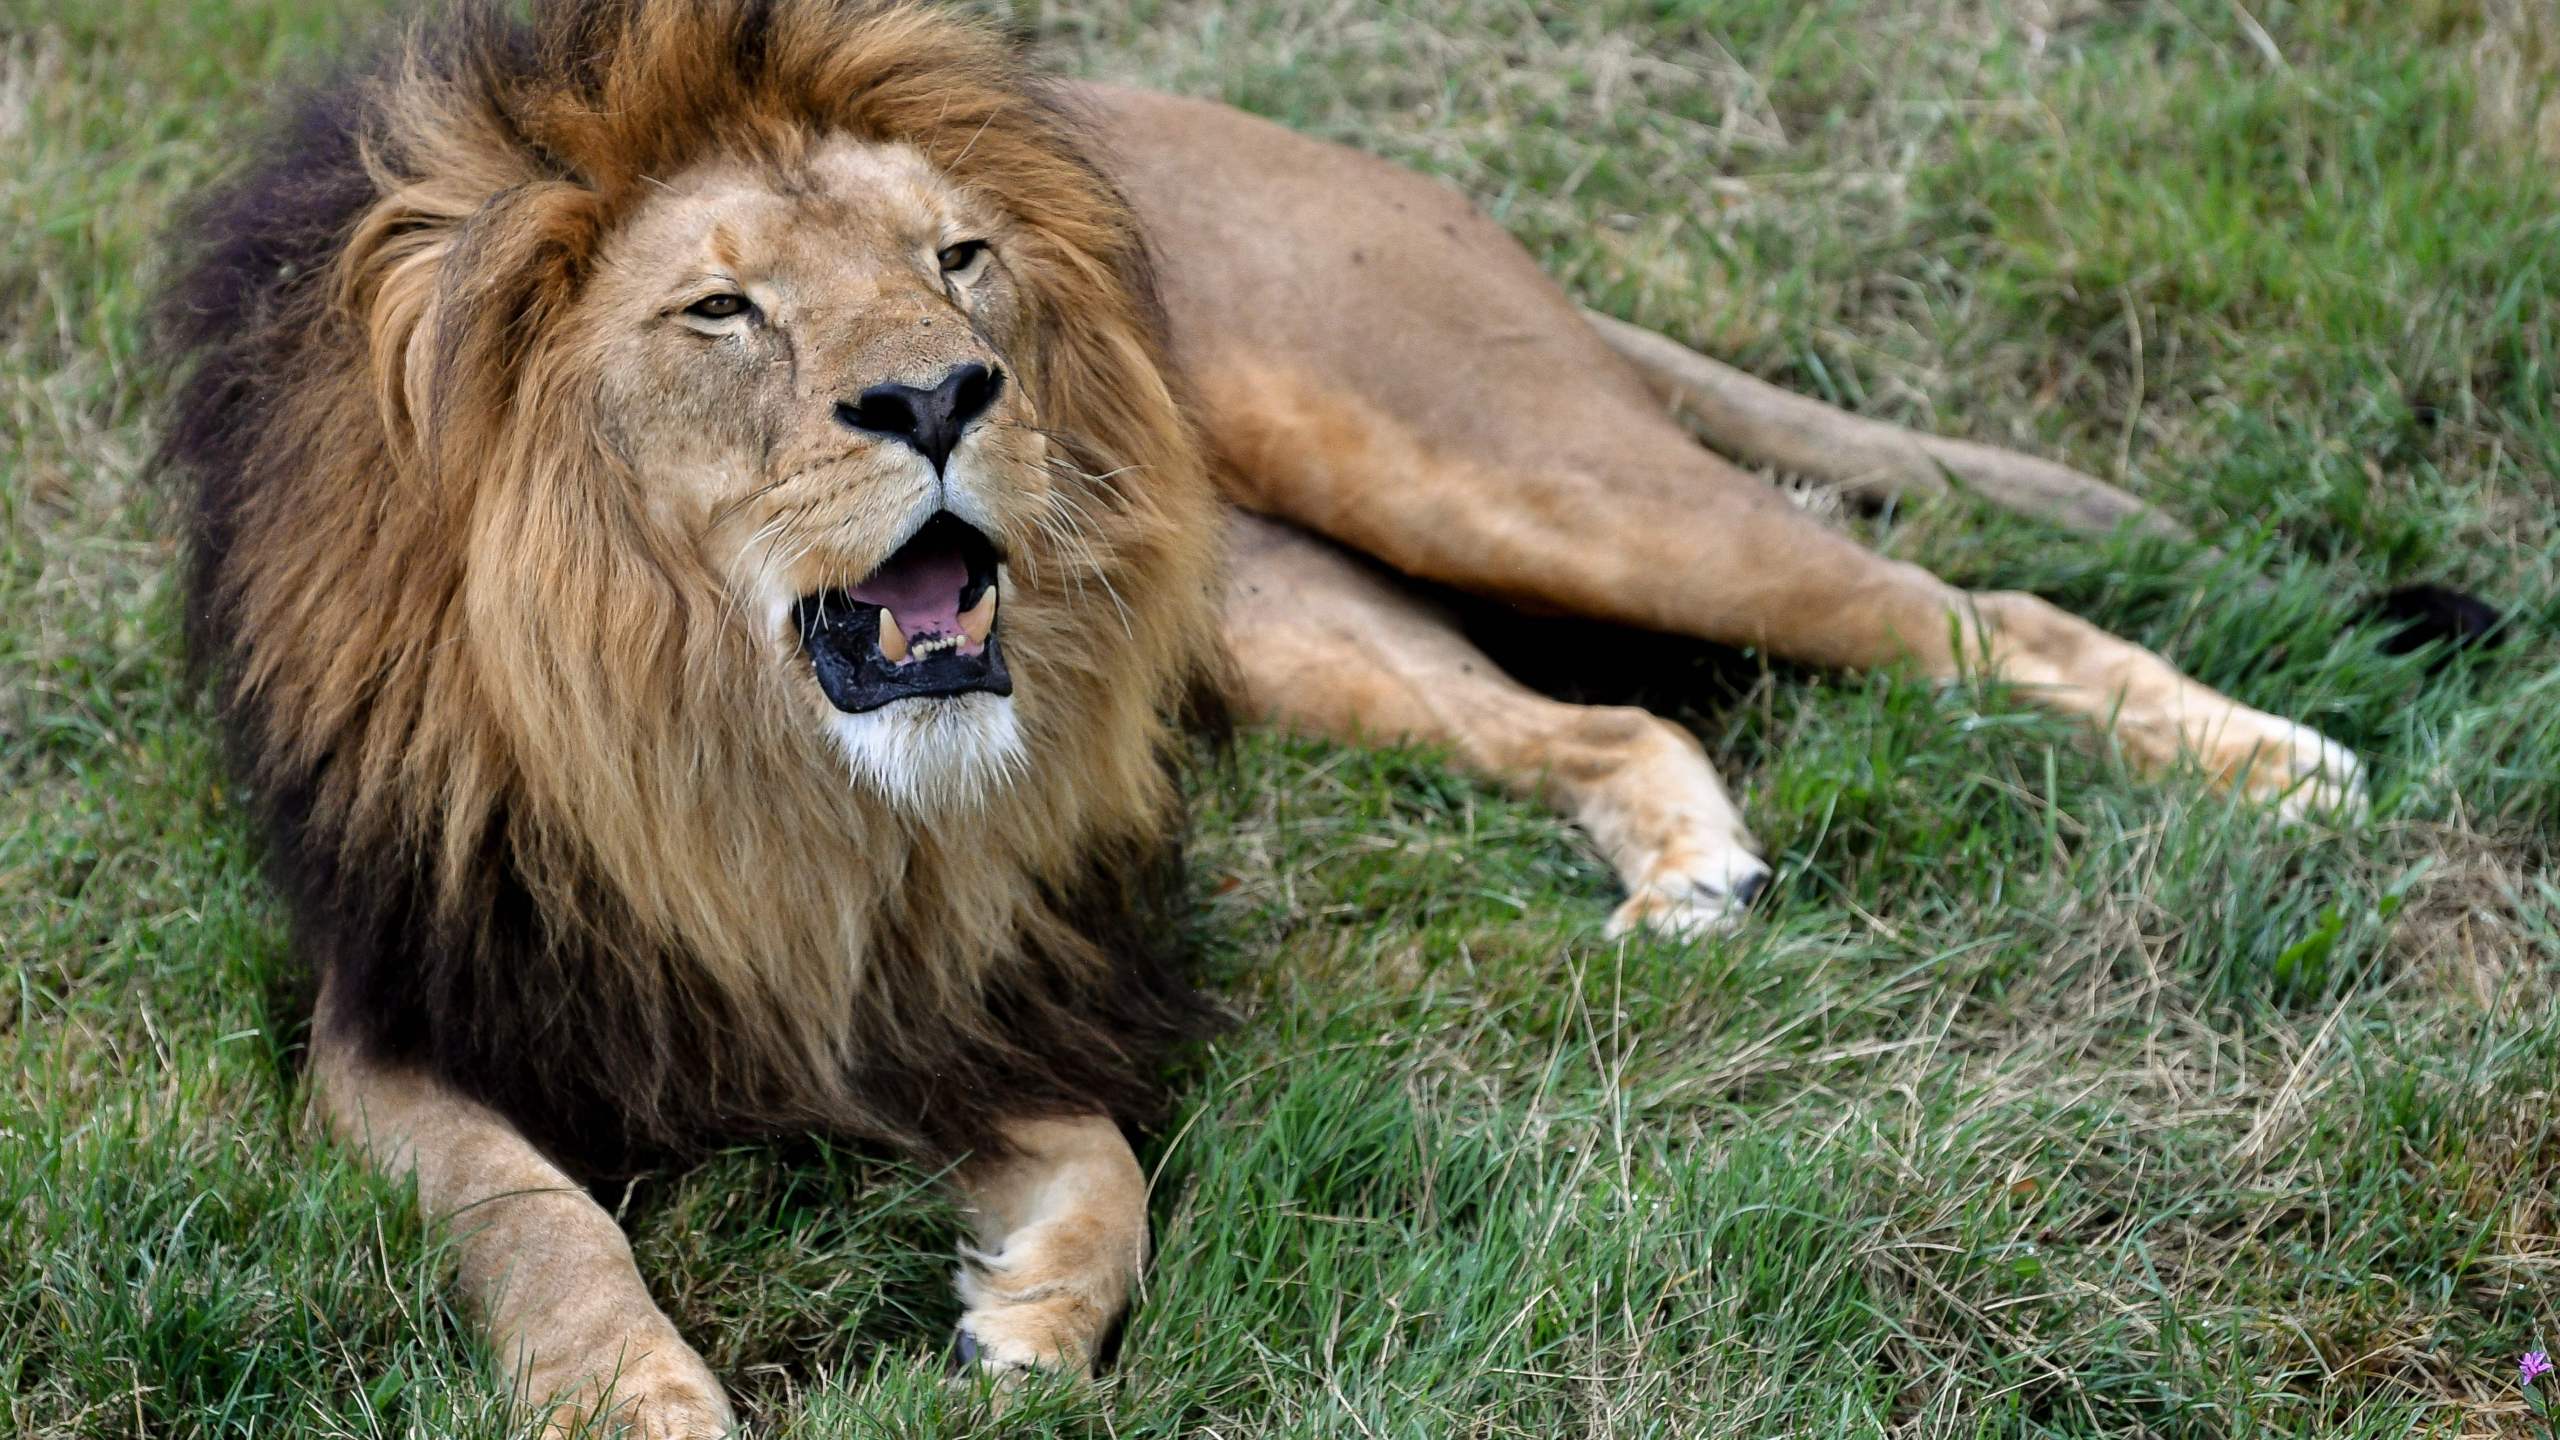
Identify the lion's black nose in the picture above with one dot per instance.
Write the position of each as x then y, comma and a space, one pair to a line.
930, 420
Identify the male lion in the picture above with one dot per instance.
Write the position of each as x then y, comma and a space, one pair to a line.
705, 523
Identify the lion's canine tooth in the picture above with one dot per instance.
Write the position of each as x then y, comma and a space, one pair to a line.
893, 641
979, 620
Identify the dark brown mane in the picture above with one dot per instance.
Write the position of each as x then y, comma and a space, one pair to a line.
363, 318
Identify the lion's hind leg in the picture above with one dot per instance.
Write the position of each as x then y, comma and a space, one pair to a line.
1610, 512
2160, 718
1329, 646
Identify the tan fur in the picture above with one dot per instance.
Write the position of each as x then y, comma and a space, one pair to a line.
514, 576
1380, 365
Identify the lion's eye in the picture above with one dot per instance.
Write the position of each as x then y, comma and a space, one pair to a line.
956, 258
720, 307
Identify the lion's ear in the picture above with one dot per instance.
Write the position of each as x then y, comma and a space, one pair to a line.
450, 307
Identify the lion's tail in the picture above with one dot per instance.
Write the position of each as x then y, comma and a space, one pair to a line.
1756, 422
1753, 421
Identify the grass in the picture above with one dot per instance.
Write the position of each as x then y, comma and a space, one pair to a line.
2042, 1100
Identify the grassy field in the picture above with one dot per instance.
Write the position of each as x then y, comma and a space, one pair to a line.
2038, 1100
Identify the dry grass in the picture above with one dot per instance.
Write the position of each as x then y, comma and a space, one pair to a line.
2042, 1101
2518, 55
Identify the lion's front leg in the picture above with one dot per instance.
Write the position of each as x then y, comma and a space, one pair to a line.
546, 1268
1061, 1232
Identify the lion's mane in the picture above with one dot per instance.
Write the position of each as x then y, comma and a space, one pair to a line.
529, 789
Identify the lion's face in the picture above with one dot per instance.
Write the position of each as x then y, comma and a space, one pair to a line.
818, 381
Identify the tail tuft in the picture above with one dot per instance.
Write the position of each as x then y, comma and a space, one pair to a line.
2425, 613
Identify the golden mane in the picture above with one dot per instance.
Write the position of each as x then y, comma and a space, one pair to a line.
530, 791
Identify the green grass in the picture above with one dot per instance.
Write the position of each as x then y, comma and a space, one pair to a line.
2041, 1100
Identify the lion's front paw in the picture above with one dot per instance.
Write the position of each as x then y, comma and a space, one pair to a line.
675, 1399
1058, 1335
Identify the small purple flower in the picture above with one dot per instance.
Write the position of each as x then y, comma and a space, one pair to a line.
2534, 1365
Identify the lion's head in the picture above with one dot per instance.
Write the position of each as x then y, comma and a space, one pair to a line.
697, 480
816, 378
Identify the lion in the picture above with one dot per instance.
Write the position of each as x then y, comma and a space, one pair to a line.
713, 521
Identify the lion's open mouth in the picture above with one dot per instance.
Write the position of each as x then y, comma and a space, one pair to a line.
924, 623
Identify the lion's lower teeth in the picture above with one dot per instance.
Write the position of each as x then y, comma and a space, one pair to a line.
893, 641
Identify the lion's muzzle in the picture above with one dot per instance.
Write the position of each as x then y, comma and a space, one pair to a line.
922, 624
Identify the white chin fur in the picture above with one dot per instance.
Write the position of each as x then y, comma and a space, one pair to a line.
936, 753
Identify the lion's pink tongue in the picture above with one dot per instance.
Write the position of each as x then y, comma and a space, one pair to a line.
921, 586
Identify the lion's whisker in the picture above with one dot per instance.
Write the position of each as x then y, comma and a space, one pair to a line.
1074, 517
